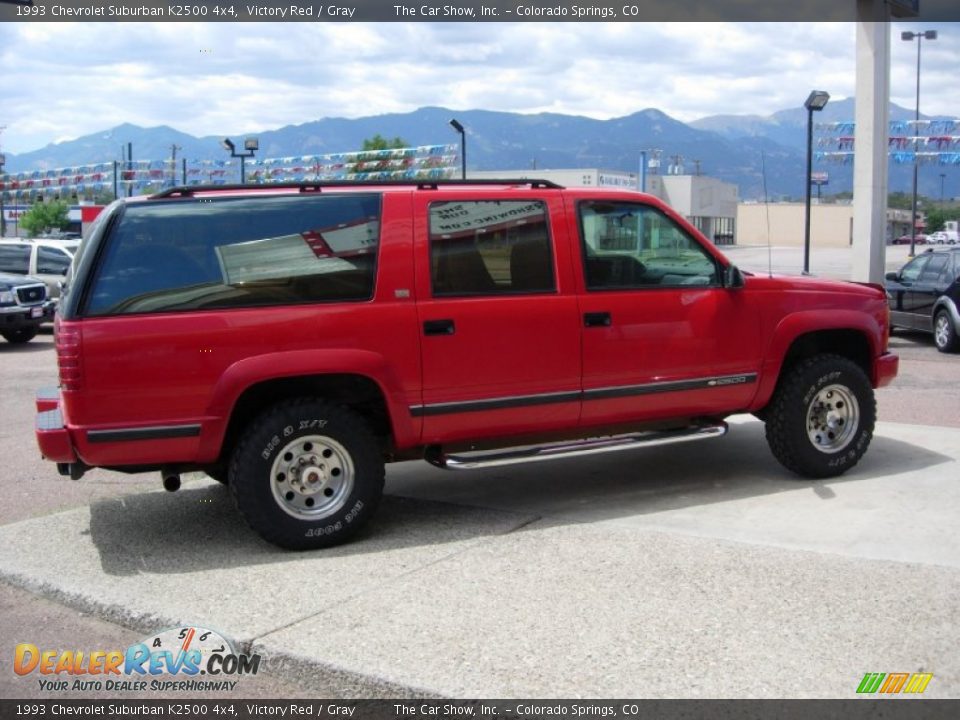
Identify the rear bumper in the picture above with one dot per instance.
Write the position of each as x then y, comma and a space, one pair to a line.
885, 369
53, 438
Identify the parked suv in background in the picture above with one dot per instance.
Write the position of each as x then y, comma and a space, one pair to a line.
23, 307
43, 258
925, 295
290, 340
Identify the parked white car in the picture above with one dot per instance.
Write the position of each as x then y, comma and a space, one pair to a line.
43, 258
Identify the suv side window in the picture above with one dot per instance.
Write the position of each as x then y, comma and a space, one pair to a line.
911, 271
52, 261
628, 246
934, 267
490, 248
15, 259
166, 256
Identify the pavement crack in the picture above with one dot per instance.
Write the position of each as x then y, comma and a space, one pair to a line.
469, 545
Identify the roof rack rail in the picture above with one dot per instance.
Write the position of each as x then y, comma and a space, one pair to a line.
185, 191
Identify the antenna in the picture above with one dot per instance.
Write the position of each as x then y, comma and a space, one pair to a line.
766, 204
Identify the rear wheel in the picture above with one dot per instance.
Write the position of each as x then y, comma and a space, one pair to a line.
821, 418
944, 333
20, 335
307, 474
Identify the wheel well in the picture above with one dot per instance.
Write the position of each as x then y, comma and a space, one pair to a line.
850, 344
357, 392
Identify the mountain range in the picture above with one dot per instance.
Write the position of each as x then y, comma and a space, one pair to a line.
734, 148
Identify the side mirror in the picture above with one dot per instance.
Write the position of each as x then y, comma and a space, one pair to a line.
892, 276
732, 277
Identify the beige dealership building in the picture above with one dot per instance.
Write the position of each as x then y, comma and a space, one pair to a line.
830, 225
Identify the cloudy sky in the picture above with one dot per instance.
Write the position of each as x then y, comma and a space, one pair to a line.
62, 81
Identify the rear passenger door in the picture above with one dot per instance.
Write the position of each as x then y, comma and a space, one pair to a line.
499, 327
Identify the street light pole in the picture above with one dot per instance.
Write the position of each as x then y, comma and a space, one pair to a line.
250, 146
815, 102
463, 147
918, 36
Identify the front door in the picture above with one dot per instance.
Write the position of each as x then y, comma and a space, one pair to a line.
661, 336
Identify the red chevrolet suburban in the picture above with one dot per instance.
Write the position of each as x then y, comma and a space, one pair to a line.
289, 340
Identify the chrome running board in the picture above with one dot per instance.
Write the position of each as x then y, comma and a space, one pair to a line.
555, 451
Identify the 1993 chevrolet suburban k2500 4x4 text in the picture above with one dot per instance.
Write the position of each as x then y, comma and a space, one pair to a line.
290, 340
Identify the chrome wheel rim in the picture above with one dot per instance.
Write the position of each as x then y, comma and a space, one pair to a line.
312, 477
833, 417
941, 332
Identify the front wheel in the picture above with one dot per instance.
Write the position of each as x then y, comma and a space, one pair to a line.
944, 334
821, 418
307, 474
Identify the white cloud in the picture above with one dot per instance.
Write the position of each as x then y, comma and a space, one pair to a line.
67, 80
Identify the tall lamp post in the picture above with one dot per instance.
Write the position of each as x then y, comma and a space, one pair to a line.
814, 103
454, 123
3, 189
919, 37
250, 146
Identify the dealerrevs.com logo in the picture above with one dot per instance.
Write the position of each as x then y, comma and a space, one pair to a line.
184, 658
894, 683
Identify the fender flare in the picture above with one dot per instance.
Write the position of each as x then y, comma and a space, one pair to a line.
806, 322
251, 371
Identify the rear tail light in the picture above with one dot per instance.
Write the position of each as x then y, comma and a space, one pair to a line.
67, 338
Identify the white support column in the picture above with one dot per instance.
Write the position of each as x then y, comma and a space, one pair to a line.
870, 150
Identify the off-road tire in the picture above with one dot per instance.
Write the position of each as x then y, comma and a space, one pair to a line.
219, 472
820, 390
317, 503
20, 336
944, 333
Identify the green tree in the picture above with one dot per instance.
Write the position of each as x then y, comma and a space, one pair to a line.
936, 218
45, 216
378, 142
900, 200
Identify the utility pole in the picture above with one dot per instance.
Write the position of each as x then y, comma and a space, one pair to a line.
173, 164
3, 188
130, 175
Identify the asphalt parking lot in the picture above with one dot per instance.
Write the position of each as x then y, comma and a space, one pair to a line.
654, 573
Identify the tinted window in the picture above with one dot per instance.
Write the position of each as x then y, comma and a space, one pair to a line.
490, 248
911, 271
952, 271
238, 252
626, 245
15, 259
52, 261
934, 267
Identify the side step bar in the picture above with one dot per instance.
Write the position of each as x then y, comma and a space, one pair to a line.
555, 451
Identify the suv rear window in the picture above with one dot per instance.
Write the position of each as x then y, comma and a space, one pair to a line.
483, 247
238, 252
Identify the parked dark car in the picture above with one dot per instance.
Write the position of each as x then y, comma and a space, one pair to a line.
925, 295
23, 306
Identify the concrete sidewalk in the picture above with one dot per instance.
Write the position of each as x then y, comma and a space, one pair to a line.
698, 570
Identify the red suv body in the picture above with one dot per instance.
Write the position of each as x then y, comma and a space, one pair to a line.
290, 340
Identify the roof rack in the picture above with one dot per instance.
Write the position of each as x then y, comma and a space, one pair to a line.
185, 191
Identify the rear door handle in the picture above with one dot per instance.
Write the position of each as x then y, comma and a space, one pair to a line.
597, 319
438, 327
